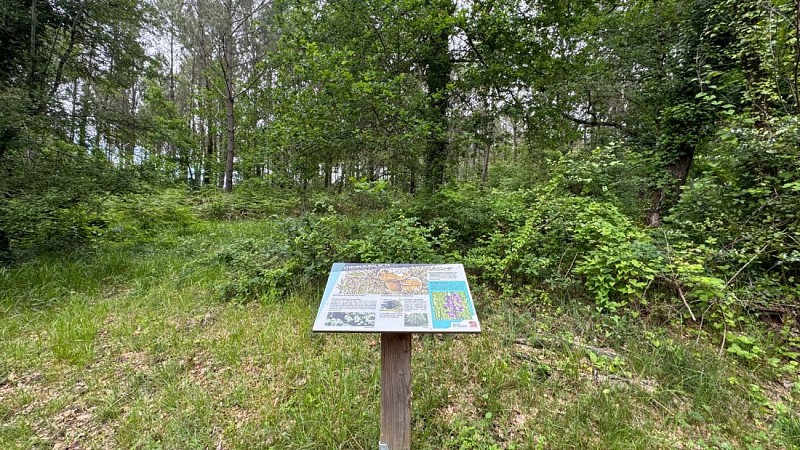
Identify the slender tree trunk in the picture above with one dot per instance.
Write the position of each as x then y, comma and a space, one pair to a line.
73, 133
796, 68
34, 21
220, 155
230, 97
172, 65
231, 142
438, 66
515, 140
485, 171
82, 136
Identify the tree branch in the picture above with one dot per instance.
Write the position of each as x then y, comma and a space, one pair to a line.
595, 122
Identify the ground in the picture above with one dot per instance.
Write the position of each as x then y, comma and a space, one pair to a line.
134, 347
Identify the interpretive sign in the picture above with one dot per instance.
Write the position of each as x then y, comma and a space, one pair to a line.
397, 298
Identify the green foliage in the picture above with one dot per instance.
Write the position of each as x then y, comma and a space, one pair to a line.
619, 261
137, 217
270, 267
56, 201
261, 270
745, 205
370, 194
562, 236
252, 201
470, 213
613, 173
744, 347
52, 182
476, 436
166, 133
398, 240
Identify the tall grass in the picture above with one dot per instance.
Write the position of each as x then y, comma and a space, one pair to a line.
135, 347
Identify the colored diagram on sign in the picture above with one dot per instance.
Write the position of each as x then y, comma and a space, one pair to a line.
451, 306
401, 280
397, 298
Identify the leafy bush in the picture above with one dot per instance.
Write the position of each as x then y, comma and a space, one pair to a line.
260, 268
746, 200
571, 235
397, 240
619, 259
471, 213
44, 223
268, 268
53, 197
732, 239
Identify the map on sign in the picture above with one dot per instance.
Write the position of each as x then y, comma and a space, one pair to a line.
406, 298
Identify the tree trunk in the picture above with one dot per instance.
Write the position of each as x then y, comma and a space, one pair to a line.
485, 171
34, 20
73, 132
438, 65
667, 196
230, 96
796, 67
82, 136
221, 157
231, 142
515, 140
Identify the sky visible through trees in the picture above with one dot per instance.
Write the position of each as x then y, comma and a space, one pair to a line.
637, 103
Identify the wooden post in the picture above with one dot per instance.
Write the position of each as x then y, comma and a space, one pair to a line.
395, 391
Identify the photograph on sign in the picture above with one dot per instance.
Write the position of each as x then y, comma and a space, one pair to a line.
404, 298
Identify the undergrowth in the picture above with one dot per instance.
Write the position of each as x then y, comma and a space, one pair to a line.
175, 330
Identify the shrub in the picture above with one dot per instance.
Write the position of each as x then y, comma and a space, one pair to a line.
268, 268
398, 240
618, 261
250, 201
569, 235
471, 213
260, 268
148, 214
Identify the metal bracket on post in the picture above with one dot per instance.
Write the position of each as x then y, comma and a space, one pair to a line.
382, 446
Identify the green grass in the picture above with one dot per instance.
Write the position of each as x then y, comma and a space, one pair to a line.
133, 347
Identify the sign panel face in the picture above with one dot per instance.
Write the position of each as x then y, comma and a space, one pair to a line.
402, 298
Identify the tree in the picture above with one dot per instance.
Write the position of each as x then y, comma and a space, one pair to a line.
53, 54
224, 35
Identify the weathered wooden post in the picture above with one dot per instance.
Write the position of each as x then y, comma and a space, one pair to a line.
396, 300
396, 390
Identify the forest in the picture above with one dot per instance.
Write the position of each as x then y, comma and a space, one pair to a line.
619, 178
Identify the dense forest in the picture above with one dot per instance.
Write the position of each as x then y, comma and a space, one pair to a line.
633, 164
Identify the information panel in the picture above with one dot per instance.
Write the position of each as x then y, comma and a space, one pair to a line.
403, 298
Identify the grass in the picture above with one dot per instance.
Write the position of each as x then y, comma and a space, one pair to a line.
133, 347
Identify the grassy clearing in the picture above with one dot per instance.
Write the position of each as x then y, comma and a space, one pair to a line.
132, 347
